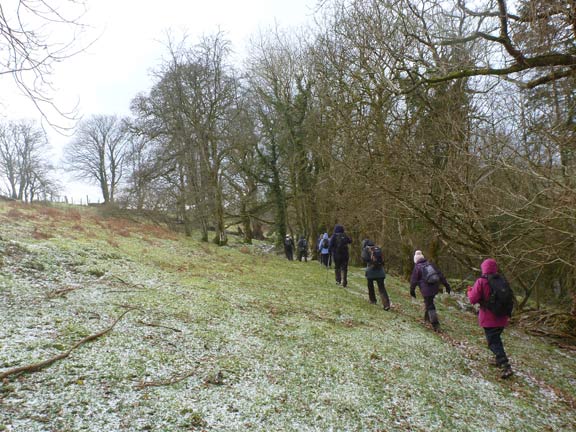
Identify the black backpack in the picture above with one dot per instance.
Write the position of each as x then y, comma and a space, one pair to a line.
375, 255
430, 274
325, 243
303, 244
288, 242
340, 242
501, 299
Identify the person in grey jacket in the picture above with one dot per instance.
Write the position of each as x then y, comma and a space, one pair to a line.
372, 257
324, 250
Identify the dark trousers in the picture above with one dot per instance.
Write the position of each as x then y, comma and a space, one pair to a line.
381, 291
430, 311
289, 253
494, 339
303, 254
429, 303
341, 270
324, 259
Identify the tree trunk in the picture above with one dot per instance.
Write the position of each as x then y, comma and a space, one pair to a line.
245, 220
280, 204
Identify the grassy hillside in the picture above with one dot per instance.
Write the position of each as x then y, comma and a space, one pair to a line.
233, 339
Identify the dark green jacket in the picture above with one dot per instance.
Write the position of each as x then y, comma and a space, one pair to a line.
375, 272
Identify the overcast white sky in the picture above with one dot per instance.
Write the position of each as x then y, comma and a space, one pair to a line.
104, 78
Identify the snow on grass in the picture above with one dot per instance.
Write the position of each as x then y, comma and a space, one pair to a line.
223, 340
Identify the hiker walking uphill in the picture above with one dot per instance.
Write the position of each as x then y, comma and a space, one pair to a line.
372, 257
289, 247
428, 277
324, 250
339, 250
493, 293
302, 249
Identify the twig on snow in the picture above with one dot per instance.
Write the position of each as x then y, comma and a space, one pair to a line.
61, 292
172, 380
139, 286
43, 364
159, 325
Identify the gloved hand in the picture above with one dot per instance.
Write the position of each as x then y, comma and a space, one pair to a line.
413, 293
448, 289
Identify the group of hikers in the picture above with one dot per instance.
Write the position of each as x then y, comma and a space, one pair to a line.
302, 250
491, 290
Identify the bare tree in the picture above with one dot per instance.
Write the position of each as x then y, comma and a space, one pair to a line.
23, 166
98, 153
528, 41
35, 35
191, 108
470, 173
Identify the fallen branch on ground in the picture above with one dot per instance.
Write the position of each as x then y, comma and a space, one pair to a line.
172, 380
558, 325
61, 292
138, 286
43, 364
159, 325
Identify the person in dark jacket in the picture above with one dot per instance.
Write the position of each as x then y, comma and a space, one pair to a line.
339, 250
302, 249
422, 269
289, 247
374, 272
492, 324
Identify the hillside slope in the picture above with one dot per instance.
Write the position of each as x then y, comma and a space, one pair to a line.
232, 339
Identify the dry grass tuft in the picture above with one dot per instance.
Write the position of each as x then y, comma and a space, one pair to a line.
17, 214
157, 231
120, 227
74, 215
50, 212
39, 235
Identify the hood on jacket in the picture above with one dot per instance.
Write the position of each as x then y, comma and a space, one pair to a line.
489, 266
338, 228
325, 236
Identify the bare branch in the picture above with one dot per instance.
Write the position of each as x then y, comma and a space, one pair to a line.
35, 367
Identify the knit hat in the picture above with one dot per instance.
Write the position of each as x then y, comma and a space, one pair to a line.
418, 256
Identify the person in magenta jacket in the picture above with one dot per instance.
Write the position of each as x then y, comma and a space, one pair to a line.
492, 324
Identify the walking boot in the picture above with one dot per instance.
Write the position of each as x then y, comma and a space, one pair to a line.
385, 301
506, 371
434, 319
